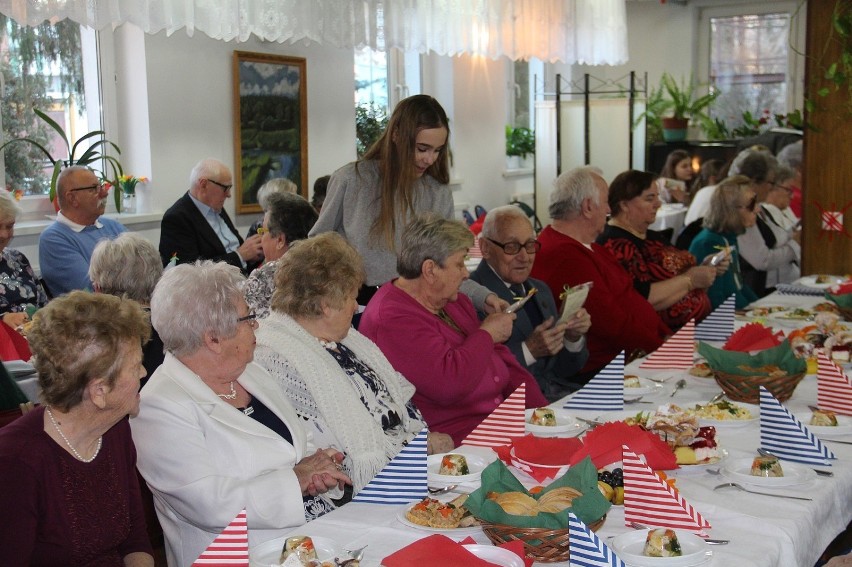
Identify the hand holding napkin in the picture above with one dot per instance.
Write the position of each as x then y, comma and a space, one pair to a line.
604, 445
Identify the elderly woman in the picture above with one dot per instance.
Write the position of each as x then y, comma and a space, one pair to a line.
129, 266
732, 211
68, 467
288, 218
275, 186
666, 276
430, 332
215, 434
20, 291
338, 380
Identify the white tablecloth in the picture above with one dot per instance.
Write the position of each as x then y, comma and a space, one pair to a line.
763, 531
670, 215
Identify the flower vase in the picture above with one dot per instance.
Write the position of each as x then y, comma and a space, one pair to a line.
128, 203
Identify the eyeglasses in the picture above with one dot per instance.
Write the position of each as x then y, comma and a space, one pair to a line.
782, 187
251, 318
513, 248
95, 187
224, 187
261, 231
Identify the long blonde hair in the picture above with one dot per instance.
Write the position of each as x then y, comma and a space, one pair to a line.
394, 154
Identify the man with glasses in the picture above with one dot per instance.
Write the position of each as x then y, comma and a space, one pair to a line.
197, 227
551, 352
65, 247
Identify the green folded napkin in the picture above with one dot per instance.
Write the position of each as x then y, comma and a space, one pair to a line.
11, 395
590, 507
731, 361
844, 300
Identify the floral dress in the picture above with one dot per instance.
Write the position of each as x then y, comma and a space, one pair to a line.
259, 287
652, 260
19, 287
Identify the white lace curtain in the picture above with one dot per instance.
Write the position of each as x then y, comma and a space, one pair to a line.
572, 31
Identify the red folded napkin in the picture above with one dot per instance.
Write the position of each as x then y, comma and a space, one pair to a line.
440, 550
604, 445
554, 451
13, 346
515, 546
841, 289
752, 337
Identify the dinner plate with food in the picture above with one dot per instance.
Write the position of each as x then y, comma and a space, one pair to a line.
692, 444
768, 472
766, 311
636, 386
433, 515
821, 281
725, 414
661, 547
455, 467
795, 314
552, 422
826, 423
276, 552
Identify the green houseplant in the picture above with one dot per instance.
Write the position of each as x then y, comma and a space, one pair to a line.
93, 156
520, 141
673, 105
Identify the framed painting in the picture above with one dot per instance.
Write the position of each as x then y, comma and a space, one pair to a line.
270, 134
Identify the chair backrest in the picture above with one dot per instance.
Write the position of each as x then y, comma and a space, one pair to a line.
530, 213
688, 234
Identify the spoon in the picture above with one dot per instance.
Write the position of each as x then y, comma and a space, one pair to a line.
679, 385
444, 490
636, 401
659, 380
766, 453
638, 526
735, 485
356, 554
592, 423
716, 398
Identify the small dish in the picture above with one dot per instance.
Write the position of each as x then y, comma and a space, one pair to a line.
753, 409
843, 427
495, 555
828, 281
566, 425
475, 465
739, 470
646, 387
400, 516
629, 548
268, 553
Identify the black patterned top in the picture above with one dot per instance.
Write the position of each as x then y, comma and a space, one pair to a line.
19, 287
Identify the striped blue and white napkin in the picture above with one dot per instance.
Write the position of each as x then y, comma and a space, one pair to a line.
403, 479
719, 325
604, 392
586, 549
785, 436
798, 289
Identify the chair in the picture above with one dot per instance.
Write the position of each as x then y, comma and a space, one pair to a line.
688, 234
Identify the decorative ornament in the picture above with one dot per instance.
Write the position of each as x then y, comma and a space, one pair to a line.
832, 220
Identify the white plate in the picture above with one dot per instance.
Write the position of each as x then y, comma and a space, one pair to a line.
810, 281
629, 548
739, 470
447, 531
723, 454
19, 368
474, 464
754, 410
566, 425
647, 387
495, 555
843, 427
793, 315
268, 553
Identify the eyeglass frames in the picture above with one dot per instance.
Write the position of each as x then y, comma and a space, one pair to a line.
513, 248
250, 318
224, 187
95, 187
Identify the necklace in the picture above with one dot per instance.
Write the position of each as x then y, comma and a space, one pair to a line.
231, 396
331, 345
67, 442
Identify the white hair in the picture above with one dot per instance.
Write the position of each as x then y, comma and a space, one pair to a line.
571, 189
489, 225
126, 266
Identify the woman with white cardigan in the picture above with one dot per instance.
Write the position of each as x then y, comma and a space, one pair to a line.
337, 379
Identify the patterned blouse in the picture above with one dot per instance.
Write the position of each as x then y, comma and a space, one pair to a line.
259, 287
654, 260
19, 287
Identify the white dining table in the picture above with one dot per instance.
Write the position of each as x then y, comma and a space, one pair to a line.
670, 215
763, 531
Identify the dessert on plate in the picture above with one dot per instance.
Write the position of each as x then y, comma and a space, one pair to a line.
662, 542
766, 467
824, 418
543, 416
454, 465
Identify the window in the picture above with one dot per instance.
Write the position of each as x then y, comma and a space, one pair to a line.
522, 77
750, 53
43, 68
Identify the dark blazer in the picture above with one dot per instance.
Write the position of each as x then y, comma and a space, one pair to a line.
553, 373
185, 232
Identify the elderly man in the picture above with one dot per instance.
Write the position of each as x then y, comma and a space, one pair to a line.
65, 247
624, 320
552, 352
196, 227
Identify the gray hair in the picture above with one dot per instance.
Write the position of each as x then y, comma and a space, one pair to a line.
9, 208
126, 266
276, 185
205, 169
430, 237
62, 181
290, 215
570, 190
782, 174
791, 155
724, 213
193, 299
757, 165
489, 225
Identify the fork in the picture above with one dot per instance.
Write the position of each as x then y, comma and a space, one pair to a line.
636, 401
735, 485
444, 490
638, 526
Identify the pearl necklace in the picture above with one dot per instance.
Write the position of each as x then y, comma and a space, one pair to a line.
70, 446
231, 396
331, 345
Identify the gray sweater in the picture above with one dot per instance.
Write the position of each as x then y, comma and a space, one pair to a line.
352, 205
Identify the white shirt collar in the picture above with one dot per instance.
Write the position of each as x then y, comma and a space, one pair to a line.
73, 225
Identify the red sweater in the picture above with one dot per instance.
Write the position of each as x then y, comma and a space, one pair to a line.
621, 318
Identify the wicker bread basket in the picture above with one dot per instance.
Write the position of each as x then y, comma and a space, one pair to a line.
747, 388
542, 544
845, 312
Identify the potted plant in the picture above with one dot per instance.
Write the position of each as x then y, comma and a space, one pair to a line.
673, 105
95, 153
520, 142
370, 121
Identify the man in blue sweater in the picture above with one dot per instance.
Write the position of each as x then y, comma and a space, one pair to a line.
65, 247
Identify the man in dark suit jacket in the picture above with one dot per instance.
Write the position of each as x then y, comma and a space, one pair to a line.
196, 227
551, 352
